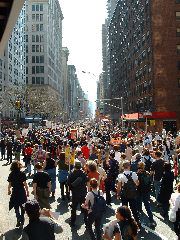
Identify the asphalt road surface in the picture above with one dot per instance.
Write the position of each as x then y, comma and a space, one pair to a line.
163, 229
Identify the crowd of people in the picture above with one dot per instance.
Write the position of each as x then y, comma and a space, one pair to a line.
98, 165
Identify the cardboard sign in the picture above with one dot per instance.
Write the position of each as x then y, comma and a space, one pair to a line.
74, 134
115, 141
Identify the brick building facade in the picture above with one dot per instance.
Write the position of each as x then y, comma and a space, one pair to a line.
144, 38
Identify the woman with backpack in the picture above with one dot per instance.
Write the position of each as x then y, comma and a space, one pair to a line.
96, 206
126, 228
143, 192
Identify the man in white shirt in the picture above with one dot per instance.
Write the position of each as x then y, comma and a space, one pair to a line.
126, 189
89, 202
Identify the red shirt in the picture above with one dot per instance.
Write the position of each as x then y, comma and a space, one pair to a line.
85, 150
28, 151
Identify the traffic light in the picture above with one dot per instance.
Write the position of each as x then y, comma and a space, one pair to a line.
18, 104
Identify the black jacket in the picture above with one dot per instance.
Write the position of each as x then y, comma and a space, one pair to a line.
80, 189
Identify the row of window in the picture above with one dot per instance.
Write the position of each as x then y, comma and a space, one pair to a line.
37, 69
37, 80
38, 38
37, 17
37, 7
37, 48
37, 59
37, 27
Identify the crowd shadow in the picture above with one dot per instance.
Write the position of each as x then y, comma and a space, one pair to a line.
12, 234
62, 207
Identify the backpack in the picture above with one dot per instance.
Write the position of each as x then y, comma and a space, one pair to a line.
148, 163
145, 182
134, 165
99, 206
129, 189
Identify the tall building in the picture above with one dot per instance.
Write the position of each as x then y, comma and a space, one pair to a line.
111, 6
65, 55
76, 98
44, 49
144, 61
12, 69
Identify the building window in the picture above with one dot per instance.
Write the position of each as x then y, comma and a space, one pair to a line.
26, 80
41, 27
33, 59
41, 59
37, 69
178, 32
41, 17
42, 80
178, 82
33, 17
37, 7
41, 48
177, 15
33, 80
33, 70
37, 80
37, 48
33, 8
33, 27
37, 59
178, 65
41, 7
33, 38
33, 48
26, 38
41, 69
178, 49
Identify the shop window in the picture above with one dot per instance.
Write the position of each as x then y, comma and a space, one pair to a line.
177, 15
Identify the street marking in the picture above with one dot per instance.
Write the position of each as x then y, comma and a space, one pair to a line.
154, 232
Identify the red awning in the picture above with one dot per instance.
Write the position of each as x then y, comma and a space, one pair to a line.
132, 116
154, 115
162, 115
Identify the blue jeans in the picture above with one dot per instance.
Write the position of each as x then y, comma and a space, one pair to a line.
28, 168
52, 174
145, 198
157, 185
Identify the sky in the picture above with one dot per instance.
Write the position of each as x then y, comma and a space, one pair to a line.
82, 35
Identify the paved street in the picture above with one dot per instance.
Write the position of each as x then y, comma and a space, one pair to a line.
8, 220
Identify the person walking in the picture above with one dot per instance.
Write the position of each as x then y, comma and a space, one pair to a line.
157, 169
27, 157
50, 167
77, 182
39, 227
19, 192
9, 148
126, 226
63, 172
166, 188
95, 204
127, 189
175, 202
143, 191
3, 148
42, 186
